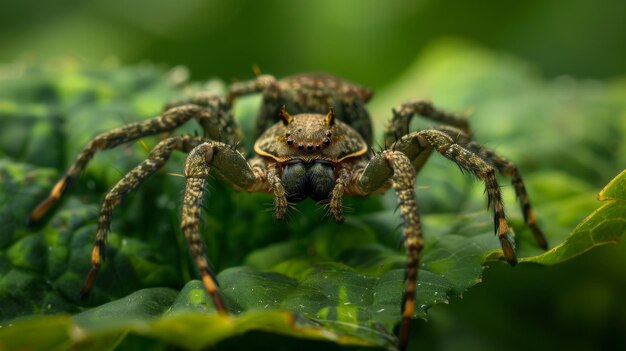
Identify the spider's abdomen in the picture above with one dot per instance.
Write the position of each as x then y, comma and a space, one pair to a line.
315, 180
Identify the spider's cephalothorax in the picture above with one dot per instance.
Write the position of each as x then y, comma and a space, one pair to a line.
314, 153
308, 147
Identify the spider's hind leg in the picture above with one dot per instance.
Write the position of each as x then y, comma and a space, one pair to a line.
133, 179
257, 85
272, 99
402, 115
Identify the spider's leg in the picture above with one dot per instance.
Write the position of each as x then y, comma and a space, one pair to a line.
280, 198
415, 143
336, 204
272, 99
268, 180
402, 115
228, 164
257, 85
205, 99
208, 116
398, 167
220, 126
133, 179
506, 167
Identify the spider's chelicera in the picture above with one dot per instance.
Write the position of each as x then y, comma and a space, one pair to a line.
321, 152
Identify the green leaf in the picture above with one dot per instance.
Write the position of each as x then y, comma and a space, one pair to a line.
605, 225
615, 190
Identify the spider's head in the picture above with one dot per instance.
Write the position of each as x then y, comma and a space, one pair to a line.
307, 132
308, 147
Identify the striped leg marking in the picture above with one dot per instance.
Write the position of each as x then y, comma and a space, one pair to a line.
170, 120
131, 181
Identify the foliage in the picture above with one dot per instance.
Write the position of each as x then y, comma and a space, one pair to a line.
304, 279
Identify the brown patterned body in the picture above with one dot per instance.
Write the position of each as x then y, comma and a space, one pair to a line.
309, 93
323, 156
308, 138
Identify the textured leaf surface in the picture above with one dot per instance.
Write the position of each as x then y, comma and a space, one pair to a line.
305, 283
603, 226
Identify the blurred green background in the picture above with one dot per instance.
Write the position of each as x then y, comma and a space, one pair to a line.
368, 41
578, 305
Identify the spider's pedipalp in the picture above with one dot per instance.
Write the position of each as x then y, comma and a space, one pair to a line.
336, 203
280, 197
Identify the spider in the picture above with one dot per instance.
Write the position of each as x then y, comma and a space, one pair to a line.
321, 151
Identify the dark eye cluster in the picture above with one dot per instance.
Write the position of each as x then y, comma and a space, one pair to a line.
309, 146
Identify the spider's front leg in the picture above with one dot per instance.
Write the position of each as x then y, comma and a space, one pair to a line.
229, 165
211, 113
396, 166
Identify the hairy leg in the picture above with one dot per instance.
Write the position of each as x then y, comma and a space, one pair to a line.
280, 197
398, 167
220, 126
506, 167
168, 121
254, 86
230, 165
402, 115
336, 203
416, 143
131, 181
272, 99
